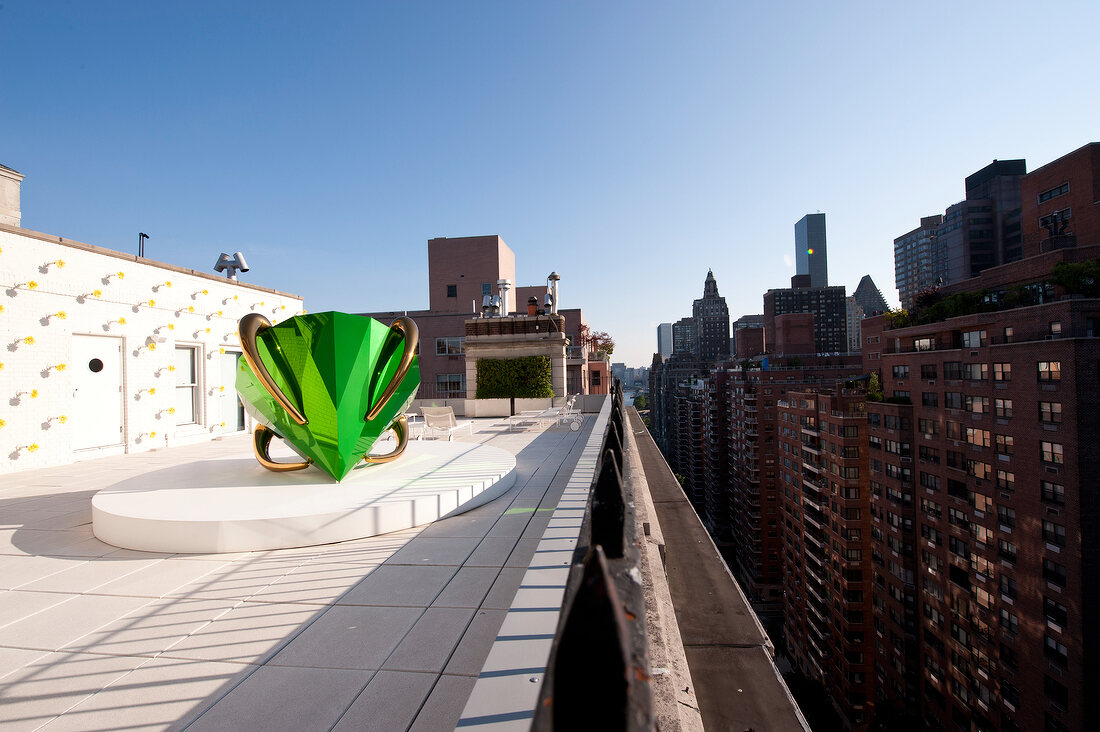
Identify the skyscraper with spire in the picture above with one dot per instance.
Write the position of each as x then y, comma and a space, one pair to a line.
712, 323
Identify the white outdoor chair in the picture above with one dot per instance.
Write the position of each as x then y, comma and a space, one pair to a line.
441, 421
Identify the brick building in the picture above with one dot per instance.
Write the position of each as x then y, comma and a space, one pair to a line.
828, 306
826, 528
463, 271
1005, 390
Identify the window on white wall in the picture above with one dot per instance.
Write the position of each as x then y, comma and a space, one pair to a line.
187, 385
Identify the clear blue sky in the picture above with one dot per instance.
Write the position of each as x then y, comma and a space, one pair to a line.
629, 146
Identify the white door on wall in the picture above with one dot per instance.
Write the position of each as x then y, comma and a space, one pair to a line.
232, 409
97, 391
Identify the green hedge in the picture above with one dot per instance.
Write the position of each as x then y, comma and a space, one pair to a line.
523, 378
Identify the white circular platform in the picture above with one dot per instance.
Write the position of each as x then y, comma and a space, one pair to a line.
233, 504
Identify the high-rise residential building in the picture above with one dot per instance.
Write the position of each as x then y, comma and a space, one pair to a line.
664, 340
997, 497
810, 254
865, 301
827, 527
854, 314
918, 262
755, 521
712, 323
683, 337
826, 304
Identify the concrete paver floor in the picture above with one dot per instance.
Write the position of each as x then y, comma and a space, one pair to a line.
385, 633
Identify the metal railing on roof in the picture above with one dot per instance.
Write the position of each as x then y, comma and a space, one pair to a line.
598, 674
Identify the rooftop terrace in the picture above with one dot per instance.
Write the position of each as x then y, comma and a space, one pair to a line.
425, 629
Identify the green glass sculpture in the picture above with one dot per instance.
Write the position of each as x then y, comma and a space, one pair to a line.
329, 384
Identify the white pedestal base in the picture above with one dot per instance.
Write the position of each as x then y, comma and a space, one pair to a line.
233, 505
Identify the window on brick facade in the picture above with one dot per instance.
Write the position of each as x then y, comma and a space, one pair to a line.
452, 290
980, 502
978, 437
1054, 192
976, 404
1054, 572
1051, 452
1054, 533
1006, 480
1055, 612
973, 339
929, 399
1004, 444
1056, 692
1002, 372
928, 371
1003, 408
450, 346
1050, 371
1050, 412
976, 371
1056, 652
979, 469
1010, 622
1053, 493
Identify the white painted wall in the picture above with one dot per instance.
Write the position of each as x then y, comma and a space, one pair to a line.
52, 289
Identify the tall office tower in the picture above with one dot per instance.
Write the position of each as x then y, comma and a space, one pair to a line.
712, 323
919, 263
810, 254
993, 195
683, 337
826, 545
870, 297
828, 307
664, 340
979, 232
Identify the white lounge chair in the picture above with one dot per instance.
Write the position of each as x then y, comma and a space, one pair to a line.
562, 414
441, 421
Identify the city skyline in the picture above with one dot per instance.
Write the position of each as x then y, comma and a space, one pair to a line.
593, 140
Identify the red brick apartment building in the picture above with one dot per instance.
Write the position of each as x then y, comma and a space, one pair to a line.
752, 445
461, 271
984, 500
823, 462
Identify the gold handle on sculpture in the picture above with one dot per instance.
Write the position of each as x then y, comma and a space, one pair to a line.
400, 327
400, 428
261, 444
249, 329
